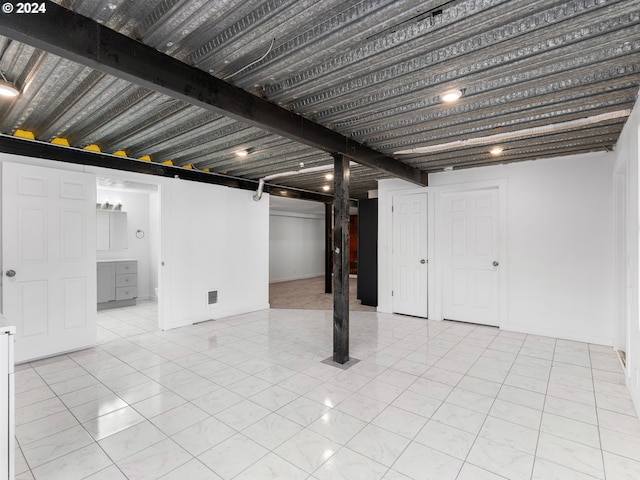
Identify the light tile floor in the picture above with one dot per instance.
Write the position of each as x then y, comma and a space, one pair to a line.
124, 322
247, 398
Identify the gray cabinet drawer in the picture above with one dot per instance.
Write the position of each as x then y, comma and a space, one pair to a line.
126, 280
126, 267
126, 293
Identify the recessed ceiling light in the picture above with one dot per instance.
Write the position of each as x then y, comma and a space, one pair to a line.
496, 150
326, 188
451, 96
241, 153
329, 176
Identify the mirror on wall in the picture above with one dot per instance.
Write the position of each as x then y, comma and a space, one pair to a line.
111, 229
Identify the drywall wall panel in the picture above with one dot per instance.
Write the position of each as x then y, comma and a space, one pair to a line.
559, 243
214, 239
296, 246
627, 312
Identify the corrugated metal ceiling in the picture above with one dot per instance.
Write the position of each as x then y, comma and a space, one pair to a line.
372, 70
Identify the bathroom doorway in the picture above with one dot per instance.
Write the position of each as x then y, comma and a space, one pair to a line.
128, 256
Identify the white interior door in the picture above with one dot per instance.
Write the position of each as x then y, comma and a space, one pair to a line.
410, 267
470, 256
49, 259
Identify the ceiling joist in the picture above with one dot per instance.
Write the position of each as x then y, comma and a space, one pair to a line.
82, 40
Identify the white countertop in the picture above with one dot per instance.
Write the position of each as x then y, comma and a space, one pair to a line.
6, 326
117, 260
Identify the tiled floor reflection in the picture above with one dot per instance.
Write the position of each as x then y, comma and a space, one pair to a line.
247, 397
124, 322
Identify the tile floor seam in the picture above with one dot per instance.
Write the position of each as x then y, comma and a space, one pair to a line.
399, 340
489, 412
245, 469
535, 454
166, 473
436, 411
604, 465
389, 468
336, 453
94, 441
66, 408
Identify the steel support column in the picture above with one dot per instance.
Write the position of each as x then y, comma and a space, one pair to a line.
328, 259
341, 259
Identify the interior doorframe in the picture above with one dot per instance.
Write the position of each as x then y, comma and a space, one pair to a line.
388, 266
622, 282
436, 244
155, 230
420, 191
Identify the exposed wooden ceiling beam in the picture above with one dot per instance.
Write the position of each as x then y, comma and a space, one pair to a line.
82, 40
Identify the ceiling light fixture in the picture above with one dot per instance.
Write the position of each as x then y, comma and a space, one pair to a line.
329, 176
496, 150
7, 89
451, 95
241, 153
326, 188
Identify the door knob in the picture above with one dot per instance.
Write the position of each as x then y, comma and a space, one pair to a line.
423, 261
11, 273
495, 263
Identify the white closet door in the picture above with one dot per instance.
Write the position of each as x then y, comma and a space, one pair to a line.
410, 264
471, 256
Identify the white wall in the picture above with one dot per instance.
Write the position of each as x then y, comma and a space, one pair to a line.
212, 237
559, 246
137, 206
296, 246
627, 272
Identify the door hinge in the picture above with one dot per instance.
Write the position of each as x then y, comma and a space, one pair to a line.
392, 293
391, 208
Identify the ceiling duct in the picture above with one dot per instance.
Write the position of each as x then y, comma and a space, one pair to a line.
527, 132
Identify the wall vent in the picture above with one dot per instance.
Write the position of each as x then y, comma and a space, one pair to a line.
212, 297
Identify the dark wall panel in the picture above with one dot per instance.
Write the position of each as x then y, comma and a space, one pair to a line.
368, 252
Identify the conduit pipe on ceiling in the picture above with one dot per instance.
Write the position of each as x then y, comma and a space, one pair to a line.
258, 194
527, 132
319, 168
